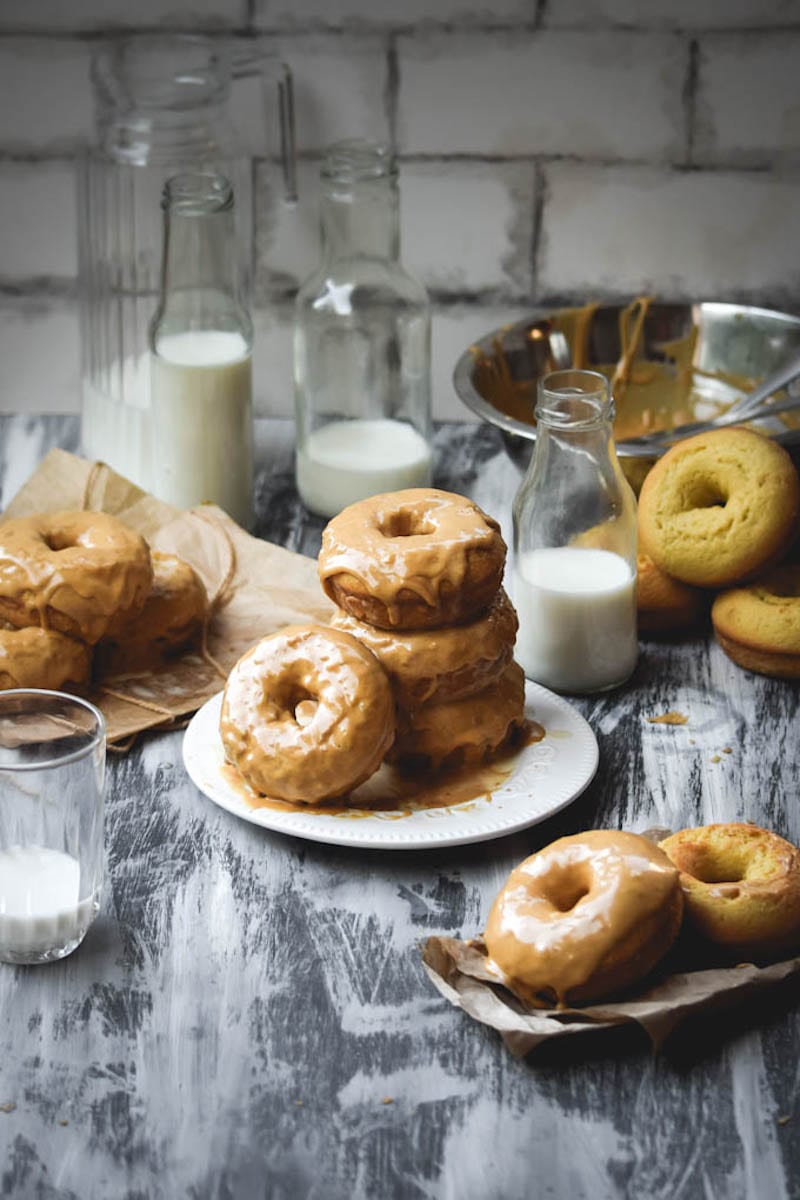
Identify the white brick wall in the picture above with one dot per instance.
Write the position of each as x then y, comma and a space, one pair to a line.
548, 152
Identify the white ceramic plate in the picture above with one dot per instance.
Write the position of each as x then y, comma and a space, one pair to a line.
547, 776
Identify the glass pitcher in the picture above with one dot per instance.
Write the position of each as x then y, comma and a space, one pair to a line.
161, 108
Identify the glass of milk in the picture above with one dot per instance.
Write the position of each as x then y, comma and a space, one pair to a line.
574, 578
52, 767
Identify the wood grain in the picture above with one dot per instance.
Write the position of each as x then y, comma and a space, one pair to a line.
249, 1017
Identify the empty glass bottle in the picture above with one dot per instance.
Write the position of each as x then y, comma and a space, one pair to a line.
575, 543
361, 344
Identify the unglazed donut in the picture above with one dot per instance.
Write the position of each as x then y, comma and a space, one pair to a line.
307, 715
719, 507
431, 666
741, 885
585, 917
759, 626
665, 605
462, 731
81, 573
41, 658
415, 559
169, 622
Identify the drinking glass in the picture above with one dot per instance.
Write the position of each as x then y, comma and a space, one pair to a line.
52, 770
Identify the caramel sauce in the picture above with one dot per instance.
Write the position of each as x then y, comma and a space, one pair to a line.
397, 794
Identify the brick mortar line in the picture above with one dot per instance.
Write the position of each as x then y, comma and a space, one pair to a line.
422, 28
309, 157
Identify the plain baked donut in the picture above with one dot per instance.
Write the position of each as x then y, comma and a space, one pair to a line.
81, 573
41, 658
759, 626
664, 605
414, 559
307, 715
431, 666
741, 885
462, 731
719, 507
585, 917
169, 622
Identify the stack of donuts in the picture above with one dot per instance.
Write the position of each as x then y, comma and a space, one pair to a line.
719, 515
591, 915
417, 578
416, 667
81, 593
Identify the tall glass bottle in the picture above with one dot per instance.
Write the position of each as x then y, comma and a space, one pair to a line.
575, 543
361, 344
201, 341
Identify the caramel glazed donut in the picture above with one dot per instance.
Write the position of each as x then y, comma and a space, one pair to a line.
438, 665
415, 559
307, 715
741, 885
82, 574
170, 621
465, 731
719, 507
41, 658
585, 917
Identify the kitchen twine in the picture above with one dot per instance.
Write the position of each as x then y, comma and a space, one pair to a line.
220, 597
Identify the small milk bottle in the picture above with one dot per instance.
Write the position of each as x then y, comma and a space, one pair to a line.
361, 344
201, 342
575, 543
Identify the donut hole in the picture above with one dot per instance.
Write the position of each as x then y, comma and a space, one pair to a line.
706, 493
710, 865
293, 702
565, 886
404, 522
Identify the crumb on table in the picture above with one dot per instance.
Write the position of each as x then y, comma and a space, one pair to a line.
669, 718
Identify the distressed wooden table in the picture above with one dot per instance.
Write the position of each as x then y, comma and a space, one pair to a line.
249, 1017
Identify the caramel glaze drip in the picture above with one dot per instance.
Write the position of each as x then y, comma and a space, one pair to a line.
417, 660
419, 540
563, 911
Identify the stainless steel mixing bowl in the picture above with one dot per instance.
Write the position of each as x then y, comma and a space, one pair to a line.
496, 377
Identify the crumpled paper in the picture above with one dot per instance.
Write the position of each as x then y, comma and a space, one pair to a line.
458, 970
254, 587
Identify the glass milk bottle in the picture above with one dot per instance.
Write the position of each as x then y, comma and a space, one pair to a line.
575, 543
361, 344
201, 341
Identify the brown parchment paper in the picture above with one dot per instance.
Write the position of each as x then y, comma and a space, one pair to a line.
459, 971
254, 586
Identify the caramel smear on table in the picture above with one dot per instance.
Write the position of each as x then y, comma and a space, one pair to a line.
397, 794
670, 718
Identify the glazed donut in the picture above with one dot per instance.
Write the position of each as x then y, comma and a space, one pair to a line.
308, 714
431, 666
719, 507
41, 658
741, 885
170, 621
415, 559
81, 573
665, 605
585, 917
464, 731
759, 626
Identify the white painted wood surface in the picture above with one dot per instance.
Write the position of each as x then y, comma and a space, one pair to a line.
249, 1017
